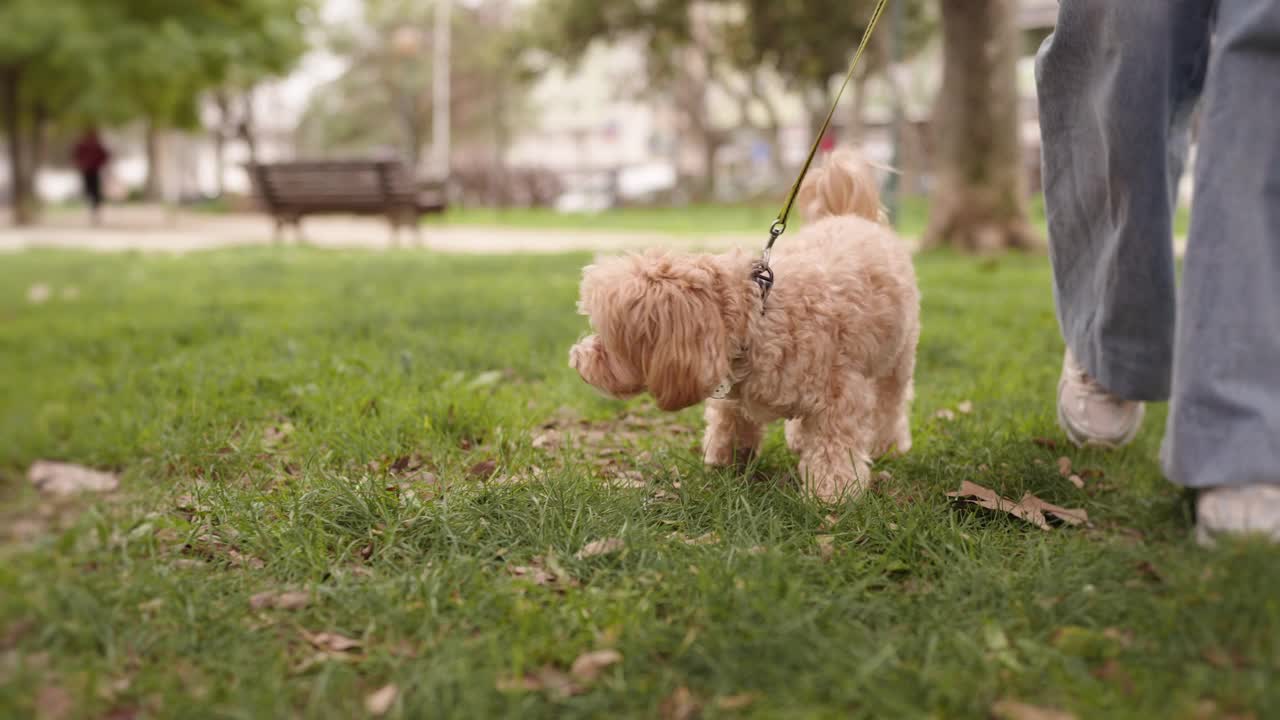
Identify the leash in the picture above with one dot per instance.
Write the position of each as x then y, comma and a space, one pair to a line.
761, 273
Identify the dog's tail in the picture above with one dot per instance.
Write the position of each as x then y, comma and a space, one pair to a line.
844, 185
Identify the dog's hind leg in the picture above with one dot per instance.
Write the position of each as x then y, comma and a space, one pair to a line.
893, 408
834, 445
732, 437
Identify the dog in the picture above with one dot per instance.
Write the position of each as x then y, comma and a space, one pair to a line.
831, 349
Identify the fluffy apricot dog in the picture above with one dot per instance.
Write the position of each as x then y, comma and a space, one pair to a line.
832, 350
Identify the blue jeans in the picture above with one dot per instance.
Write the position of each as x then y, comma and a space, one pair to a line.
1118, 83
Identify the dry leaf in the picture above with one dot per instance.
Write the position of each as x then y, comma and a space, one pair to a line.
707, 538
1064, 466
587, 666
547, 679
680, 705
63, 479
275, 435
39, 293
294, 600
546, 440
600, 547
54, 703
332, 642
543, 571
1030, 508
965, 407
1014, 710
1076, 480
736, 702
483, 470
826, 546
945, 414
380, 701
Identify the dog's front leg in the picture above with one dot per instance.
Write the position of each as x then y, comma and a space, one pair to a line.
732, 437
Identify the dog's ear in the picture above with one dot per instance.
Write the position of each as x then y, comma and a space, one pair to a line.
687, 356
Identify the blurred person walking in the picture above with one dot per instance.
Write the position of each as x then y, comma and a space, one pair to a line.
91, 158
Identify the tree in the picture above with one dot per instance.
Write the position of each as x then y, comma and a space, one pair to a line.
383, 100
979, 203
72, 62
754, 51
37, 71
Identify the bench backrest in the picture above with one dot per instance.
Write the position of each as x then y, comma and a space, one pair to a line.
355, 185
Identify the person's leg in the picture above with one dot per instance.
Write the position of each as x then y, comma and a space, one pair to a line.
1117, 84
1224, 420
93, 192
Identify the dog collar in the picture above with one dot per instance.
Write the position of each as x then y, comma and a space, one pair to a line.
722, 390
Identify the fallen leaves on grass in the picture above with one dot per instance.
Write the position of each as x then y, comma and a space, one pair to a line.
483, 470
39, 293
211, 548
378, 702
681, 704
1113, 672
740, 701
1030, 508
544, 571
600, 547
826, 546
294, 600
276, 435
65, 479
965, 407
1015, 710
1064, 466
1076, 480
547, 679
707, 538
54, 703
588, 666
1044, 442
331, 642
946, 414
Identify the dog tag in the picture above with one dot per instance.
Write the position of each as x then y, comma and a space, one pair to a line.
722, 390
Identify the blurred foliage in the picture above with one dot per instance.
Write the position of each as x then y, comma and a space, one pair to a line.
383, 100
69, 63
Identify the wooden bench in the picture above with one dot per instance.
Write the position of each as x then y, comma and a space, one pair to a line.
292, 190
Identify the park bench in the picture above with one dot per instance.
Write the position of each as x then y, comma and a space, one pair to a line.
292, 190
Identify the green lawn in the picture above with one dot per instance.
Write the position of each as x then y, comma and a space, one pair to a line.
269, 409
912, 221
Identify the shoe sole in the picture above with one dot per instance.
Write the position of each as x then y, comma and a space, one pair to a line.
1081, 440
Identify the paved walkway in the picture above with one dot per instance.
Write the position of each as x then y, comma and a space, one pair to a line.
153, 229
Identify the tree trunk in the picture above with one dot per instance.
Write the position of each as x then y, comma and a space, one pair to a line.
220, 142
246, 128
153, 190
22, 197
979, 203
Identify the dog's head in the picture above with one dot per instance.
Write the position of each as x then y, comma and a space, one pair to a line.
660, 326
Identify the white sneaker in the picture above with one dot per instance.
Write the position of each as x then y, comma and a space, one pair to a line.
1090, 414
1238, 510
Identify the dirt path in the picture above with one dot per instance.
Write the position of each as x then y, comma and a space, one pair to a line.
151, 229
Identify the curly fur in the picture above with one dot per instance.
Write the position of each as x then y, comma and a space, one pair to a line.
833, 353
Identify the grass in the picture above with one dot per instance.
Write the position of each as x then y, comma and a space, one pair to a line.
256, 403
912, 221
